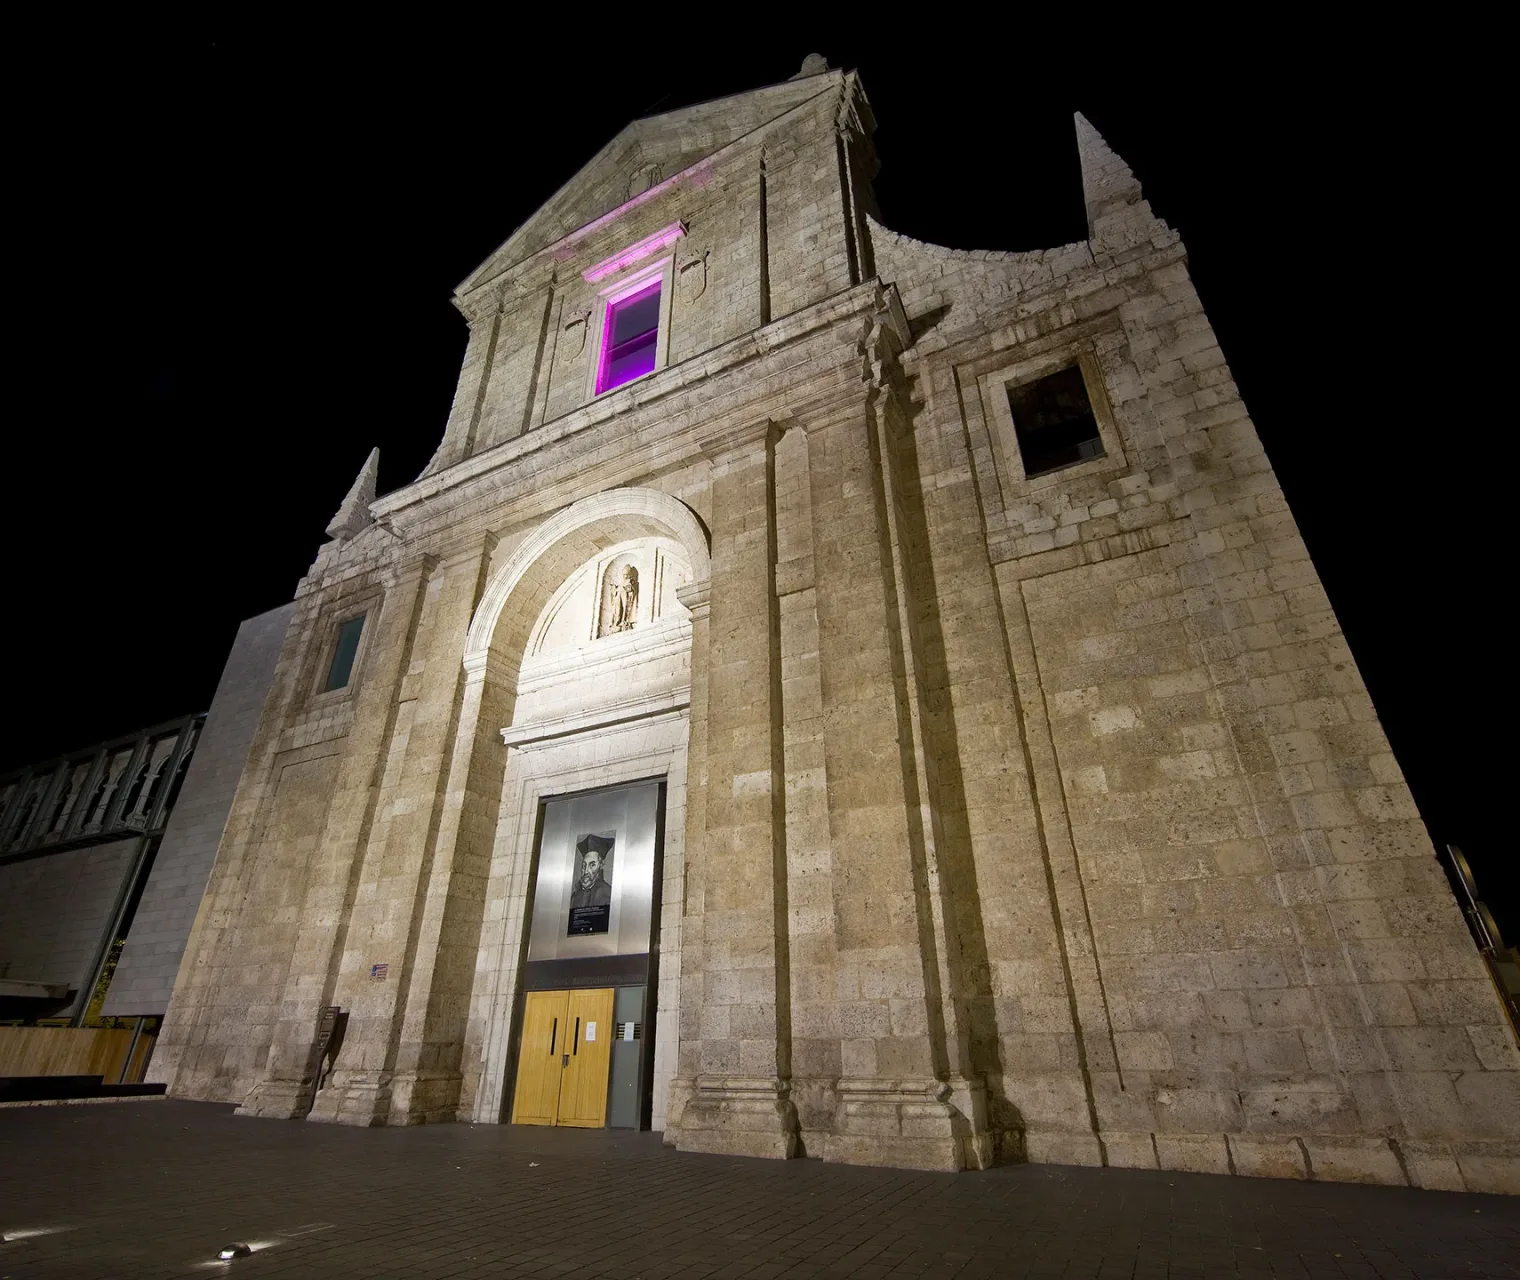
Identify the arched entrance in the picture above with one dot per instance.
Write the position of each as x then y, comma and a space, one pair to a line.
578, 665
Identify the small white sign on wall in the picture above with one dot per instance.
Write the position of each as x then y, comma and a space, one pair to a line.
590, 1031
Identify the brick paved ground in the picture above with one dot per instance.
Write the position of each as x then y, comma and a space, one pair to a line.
152, 1189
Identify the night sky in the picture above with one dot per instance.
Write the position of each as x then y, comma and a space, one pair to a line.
237, 250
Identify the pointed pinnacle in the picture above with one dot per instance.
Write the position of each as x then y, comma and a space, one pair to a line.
1107, 182
353, 515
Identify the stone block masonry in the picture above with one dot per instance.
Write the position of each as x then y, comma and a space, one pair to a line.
1015, 812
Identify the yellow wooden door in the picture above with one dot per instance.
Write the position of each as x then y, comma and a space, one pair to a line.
539, 1061
583, 1095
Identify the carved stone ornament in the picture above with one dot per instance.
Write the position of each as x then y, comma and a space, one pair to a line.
691, 276
575, 333
644, 177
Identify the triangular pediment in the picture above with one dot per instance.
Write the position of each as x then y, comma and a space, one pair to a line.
646, 153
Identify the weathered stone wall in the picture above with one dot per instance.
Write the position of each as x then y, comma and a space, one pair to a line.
1267, 969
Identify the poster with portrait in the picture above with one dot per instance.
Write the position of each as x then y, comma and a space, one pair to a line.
591, 886
594, 890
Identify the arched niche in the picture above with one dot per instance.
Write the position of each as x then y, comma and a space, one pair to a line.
558, 548
584, 609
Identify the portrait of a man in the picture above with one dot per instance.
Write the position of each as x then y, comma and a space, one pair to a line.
591, 889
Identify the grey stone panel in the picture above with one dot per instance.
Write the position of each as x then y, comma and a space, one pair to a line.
150, 960
56, 910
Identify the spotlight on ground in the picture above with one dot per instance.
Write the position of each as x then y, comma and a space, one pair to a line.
231, 1251
26, 1233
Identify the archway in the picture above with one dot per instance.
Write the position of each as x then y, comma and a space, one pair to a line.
609, 708
561, 545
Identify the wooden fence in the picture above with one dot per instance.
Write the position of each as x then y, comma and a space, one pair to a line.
73, 1051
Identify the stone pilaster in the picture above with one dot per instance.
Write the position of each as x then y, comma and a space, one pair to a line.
735, 1034
289, 1083
427, 1083
898, 1100
373, 1083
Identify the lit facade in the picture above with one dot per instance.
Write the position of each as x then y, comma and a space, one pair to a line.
868, 700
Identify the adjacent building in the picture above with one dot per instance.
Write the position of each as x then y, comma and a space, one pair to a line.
78, 836
105, 852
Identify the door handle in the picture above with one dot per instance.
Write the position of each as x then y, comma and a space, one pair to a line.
564, 1059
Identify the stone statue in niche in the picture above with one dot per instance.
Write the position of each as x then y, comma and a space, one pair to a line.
625, 601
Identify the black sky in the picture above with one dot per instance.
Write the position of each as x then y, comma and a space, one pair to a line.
235, 248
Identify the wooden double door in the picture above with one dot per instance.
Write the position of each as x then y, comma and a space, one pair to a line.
564, 1059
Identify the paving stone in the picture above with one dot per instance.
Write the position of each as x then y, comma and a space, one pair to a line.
133, 1192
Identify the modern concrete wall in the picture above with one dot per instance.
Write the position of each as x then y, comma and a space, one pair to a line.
145, 973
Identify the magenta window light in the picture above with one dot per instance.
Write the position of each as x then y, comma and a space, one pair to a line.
629, 338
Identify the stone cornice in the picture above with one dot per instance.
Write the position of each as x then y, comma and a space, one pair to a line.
697, 597
655, 404
603, 717
734, 437
667, 636
636, 252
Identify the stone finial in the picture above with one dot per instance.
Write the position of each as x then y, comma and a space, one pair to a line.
815, 64
1117, 213
353, 516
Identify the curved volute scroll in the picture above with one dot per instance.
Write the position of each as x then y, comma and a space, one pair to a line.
607, 517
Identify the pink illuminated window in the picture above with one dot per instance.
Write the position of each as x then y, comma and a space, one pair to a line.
629, 338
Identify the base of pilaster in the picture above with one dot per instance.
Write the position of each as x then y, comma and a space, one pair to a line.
424, 1097
278, 1100
911, 1124
738, 1116
358, 1098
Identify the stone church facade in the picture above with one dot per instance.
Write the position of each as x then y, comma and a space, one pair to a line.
1014, 792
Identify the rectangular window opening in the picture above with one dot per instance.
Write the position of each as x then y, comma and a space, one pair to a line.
342, 668
630, 337
1053, 419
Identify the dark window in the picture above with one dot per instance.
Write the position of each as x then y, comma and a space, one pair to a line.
1054, 421
630, 338
343, 654
92, 814
135, 790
